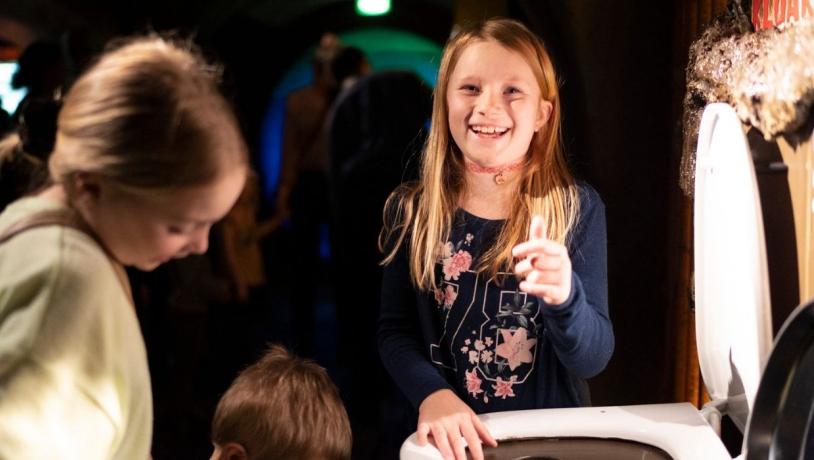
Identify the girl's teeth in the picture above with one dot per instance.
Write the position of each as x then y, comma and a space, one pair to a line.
489, 129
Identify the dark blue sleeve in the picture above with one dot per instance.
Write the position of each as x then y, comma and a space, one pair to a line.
401, 343
580, 329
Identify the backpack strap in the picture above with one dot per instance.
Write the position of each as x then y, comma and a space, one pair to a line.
70, 219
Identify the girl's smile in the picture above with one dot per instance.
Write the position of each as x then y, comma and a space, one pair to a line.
488, 131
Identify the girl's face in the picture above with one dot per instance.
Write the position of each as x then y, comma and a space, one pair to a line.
494, 104
146, 231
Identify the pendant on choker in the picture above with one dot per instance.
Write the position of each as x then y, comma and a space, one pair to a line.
499, 173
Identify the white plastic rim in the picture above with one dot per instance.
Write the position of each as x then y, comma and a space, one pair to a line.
678, 429
732, 303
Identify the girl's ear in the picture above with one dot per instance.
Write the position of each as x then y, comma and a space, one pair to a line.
543, 114
84, 186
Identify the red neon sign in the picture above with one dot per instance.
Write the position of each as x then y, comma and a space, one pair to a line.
772, 13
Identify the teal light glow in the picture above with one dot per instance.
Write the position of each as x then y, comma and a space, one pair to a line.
372, 7
386, 49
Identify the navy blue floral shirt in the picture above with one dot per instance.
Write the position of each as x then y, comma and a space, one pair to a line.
490, 331
498, 348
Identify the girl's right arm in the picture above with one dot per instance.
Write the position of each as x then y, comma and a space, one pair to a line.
450, 421
441, 412
399, 335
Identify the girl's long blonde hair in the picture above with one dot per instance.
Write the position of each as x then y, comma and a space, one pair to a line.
422, 212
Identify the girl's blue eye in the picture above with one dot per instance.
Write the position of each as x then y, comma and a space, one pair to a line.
513, 90
470, 88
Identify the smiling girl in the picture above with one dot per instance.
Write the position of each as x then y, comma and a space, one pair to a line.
494, 294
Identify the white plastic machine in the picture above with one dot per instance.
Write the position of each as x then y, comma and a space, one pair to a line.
733, 331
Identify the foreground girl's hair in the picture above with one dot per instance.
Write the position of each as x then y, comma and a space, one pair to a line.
422, 213
147, 116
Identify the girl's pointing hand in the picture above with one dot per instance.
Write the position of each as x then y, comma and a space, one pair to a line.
545, 268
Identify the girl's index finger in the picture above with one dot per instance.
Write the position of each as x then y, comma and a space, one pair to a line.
483, 432
546, 247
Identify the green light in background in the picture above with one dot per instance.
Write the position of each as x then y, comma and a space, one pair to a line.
372, 7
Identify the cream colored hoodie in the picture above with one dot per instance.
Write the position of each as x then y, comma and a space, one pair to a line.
74, 381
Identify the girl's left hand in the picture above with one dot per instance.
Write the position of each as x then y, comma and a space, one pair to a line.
545, 268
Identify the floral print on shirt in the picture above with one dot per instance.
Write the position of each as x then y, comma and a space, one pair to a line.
498, 358
490, 359
454, 260
516, 348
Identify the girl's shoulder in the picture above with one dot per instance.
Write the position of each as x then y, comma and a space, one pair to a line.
407, 189
590, 222
50, 272
399, 211
24, 207
402, 198
589, 198
53, 249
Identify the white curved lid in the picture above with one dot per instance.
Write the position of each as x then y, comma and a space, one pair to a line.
732, 307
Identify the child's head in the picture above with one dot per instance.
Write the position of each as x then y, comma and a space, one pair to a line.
496, 105
496, 74
149, 151
281, 407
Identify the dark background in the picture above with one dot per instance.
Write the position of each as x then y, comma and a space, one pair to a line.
621, 68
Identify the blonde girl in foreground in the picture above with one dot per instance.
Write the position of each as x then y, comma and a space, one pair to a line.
494, 294
147, 157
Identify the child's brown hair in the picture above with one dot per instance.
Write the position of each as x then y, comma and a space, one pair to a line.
283, 407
